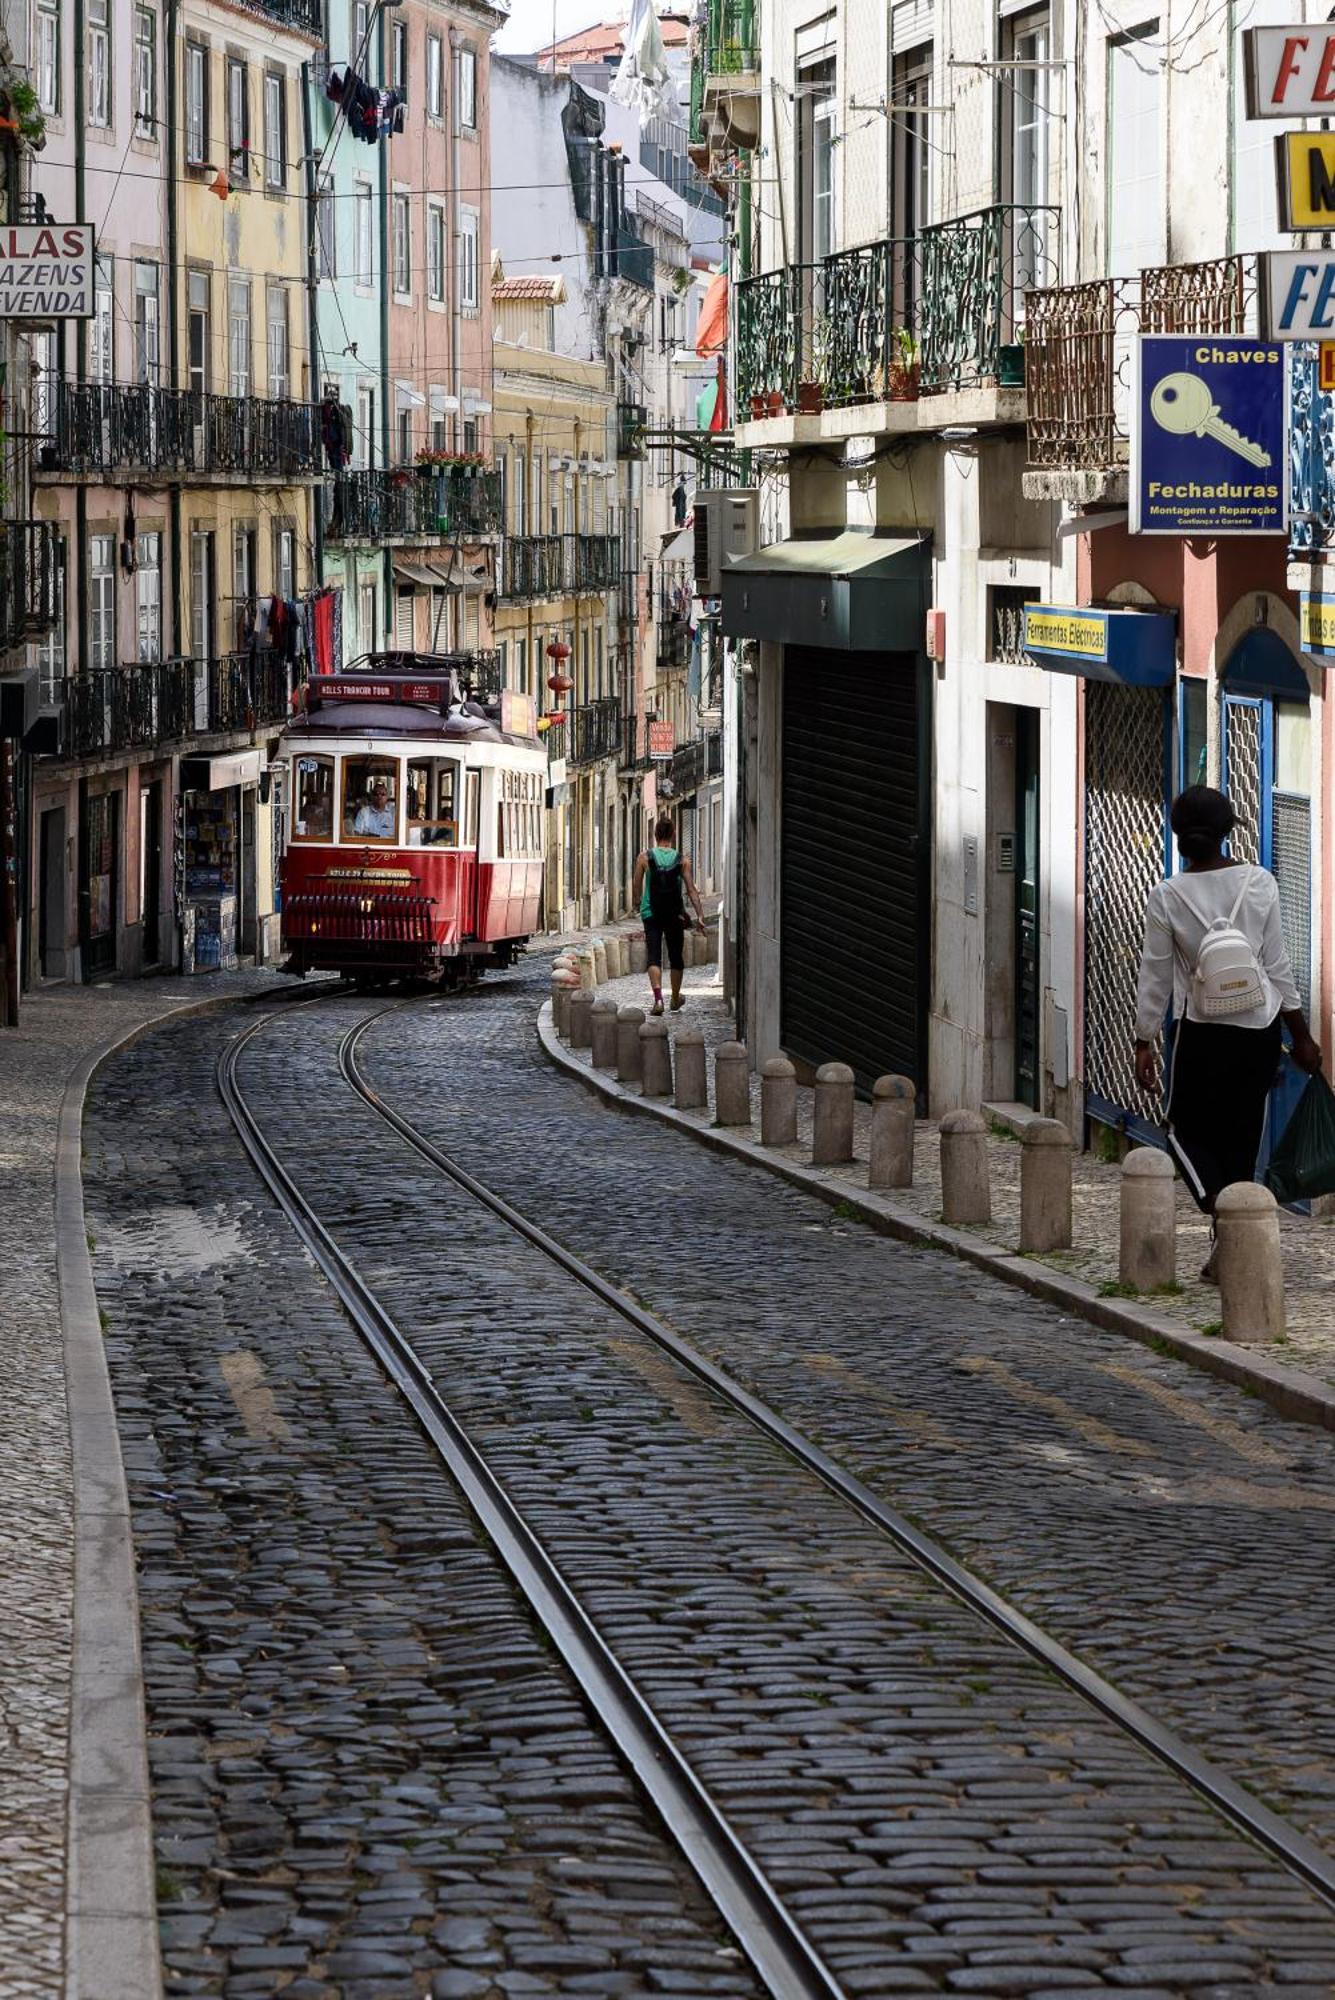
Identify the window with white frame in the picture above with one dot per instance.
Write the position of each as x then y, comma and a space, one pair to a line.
359, 55
275, 130
469, 282
435, 77
243, 563
403, 260
42, 363
405, 433
1032, 256
102, 353
467, 93
285, 563
101, 603
196, 104
147, 330
145, 73
97, 103
521, 493
399, 56
435, 253
46, 50
51, 649
238, 337
326, 228
363, 236
238, 122
521, 665
148, 596
366, 437
367, 633
1136, 209
276, 341
202, 570
197, 331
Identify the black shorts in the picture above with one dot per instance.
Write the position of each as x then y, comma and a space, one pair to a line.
670, 934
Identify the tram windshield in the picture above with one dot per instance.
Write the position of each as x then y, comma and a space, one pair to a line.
313, 793
370, 798
432, 815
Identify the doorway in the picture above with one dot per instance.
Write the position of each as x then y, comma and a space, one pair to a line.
150, 851
99, 867
1013, 970
52, 960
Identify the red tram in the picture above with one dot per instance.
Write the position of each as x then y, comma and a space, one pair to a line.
415, 822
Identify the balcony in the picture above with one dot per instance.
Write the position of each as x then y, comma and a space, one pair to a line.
559, 565
308, 15
147, 706
556, 742
725, 107
1080, 341
27, 581
411, 504
596, 730
902, 323
687, 769
714, 754
105, 428
674, 643
532, 566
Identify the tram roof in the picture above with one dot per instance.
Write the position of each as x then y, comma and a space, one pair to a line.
422, 695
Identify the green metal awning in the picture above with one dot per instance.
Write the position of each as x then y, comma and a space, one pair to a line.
852, 592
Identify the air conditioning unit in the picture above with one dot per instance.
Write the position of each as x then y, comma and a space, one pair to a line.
727, 526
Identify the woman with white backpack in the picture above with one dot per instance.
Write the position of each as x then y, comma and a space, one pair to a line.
1214, 946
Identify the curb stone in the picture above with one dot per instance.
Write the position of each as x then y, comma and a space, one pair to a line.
1292, 1392
111, 1919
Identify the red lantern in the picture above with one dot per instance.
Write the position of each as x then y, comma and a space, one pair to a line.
560, 683
558, 650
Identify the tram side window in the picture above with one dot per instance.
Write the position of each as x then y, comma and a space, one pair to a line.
432, 811
313, 791
370, 798
520, 815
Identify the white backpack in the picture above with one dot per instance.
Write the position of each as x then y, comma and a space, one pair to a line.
1227, 978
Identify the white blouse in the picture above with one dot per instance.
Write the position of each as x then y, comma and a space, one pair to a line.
1177, 916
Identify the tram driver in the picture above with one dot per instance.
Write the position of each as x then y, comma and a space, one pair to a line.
375, 815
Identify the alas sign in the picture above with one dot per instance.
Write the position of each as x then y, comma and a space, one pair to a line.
46, 271
1290, 71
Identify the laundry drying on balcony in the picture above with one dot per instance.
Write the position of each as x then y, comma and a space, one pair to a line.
371, 114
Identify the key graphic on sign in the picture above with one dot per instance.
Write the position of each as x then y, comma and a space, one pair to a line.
1183, 405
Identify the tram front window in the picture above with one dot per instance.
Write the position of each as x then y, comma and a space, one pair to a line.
370, 798
313, 793
431, 808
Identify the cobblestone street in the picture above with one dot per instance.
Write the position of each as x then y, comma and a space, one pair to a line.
371, 1775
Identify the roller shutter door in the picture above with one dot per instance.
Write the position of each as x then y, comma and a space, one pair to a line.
852, 925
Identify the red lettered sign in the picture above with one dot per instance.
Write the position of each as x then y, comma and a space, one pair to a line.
1290, 71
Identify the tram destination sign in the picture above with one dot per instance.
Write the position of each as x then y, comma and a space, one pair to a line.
46, 271
330, 687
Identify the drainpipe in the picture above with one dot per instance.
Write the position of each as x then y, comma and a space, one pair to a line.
81, 354
456, 238
312, 310
173, 316
386, 279
528, 481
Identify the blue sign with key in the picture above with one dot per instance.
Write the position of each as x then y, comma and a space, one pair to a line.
1209, 436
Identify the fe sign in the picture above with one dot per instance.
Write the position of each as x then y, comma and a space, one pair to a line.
1290, 71
46, 271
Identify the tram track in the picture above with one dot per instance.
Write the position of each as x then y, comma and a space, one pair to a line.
772, 1938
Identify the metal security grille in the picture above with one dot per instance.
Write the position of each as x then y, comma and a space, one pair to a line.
1124, 818
851, 929
1292, 865
1244, 765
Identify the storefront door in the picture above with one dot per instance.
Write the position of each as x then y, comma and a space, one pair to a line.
150, 850
1028, 983
99, 868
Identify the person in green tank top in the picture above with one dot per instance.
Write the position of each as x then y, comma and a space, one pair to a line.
662, 882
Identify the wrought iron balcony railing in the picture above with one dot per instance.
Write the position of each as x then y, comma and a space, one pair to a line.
108, 427
631, 421
306, 14
595, 563
147, 705
411, 503
894, 319
687, 769
1079, 341
674, 643
532, 566
555, 740
732, 45
714, 754
595, 730
27, 580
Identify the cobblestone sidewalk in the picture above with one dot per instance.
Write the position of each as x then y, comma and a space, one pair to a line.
60, 1030
1309, 1246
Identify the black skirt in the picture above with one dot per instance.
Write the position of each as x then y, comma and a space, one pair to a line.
1221, 1079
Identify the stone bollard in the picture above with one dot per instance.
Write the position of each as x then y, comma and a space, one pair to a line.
618, 960
893, 1110
581, 1017
688, 1052
639, 956
561, 993
732, 1084
1148, 1257
599, 950
832, 1123
655, 1060
629, 1022
778, 1103
603, 1034
965, 1192
588, 976
1249, 1263
1045, 1187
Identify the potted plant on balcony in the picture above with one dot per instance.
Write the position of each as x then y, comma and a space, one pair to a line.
811, 392
1010, 362
905, 366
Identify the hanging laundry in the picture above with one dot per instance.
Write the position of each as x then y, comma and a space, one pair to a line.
371, 114
323, 609
336, 432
